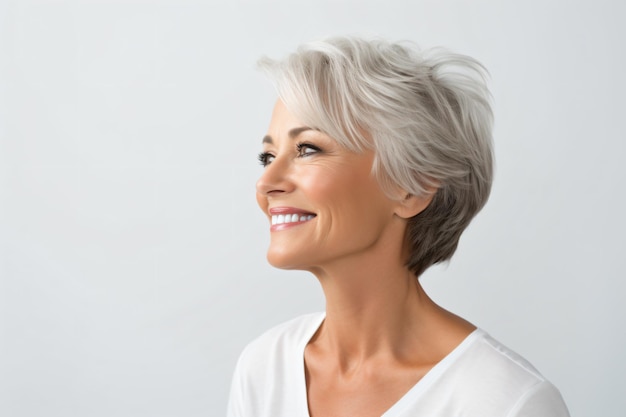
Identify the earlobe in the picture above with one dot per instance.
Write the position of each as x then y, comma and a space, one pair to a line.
411, 205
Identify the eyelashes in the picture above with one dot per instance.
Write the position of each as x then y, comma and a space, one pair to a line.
304, 149
265, 158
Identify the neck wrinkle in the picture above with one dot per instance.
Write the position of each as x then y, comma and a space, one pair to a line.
371, 315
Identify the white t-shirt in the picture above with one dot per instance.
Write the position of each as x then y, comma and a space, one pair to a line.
479, 378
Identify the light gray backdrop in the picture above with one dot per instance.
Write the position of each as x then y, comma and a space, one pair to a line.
132, 253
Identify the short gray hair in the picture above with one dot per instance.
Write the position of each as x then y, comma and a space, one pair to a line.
426, 114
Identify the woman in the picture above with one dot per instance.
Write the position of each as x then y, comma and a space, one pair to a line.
376, 159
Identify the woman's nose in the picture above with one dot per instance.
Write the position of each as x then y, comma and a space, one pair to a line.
275, 178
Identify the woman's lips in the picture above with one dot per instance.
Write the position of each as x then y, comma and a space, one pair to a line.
286, 217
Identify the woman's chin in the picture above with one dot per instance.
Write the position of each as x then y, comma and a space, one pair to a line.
283, 259
280, 262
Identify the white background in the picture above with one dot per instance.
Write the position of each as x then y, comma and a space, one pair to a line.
132, 253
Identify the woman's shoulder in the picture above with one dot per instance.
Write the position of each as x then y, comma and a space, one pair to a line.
490, 356
513, 383
270, 370
284, 338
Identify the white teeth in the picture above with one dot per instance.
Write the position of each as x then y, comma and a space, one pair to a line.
290, 218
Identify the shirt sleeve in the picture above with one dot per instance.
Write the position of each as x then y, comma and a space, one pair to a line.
542, 400
236, 397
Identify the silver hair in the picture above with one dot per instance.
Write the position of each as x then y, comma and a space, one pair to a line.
426, 114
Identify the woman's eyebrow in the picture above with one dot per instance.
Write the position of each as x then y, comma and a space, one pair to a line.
293, 133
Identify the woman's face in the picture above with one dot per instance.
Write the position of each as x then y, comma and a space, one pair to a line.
322, 201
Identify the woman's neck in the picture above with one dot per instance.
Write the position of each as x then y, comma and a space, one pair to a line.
380, 311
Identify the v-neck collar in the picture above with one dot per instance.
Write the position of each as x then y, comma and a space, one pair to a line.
410, 396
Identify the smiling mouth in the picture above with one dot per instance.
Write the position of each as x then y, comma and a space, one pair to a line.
291, 218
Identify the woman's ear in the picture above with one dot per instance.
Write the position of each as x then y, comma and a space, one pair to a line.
412, 205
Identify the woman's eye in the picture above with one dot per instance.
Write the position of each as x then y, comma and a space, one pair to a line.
265, 158
306, 149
